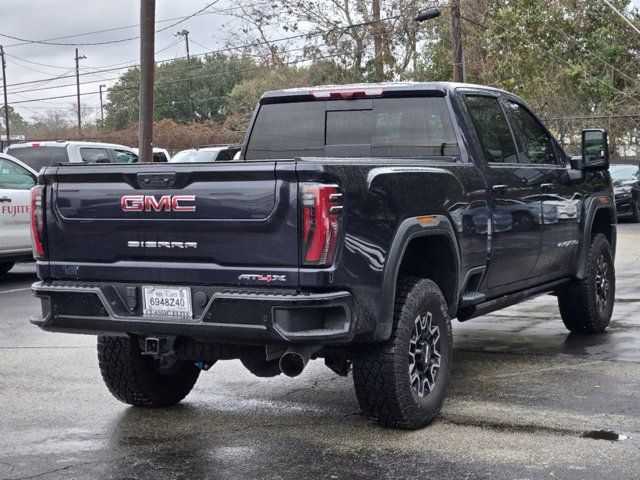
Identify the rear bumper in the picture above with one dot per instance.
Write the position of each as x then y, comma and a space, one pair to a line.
230, 315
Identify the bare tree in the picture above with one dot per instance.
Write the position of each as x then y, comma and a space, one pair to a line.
375, 40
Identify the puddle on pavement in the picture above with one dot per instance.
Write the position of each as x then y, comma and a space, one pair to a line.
604, 435
532, 429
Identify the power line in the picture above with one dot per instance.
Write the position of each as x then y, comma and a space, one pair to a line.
211, 12
17, 60
229, 72
172, 44
109, 42
126, 64
254, 44
59, 77
565, 35
486, 17
624, 17
110, 79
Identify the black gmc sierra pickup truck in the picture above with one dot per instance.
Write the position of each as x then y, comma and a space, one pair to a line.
357, 223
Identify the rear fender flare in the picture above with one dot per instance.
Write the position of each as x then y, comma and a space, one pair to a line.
410, 229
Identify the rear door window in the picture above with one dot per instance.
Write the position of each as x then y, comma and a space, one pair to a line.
492, 129
94, 155
225, 155
38, 157
385, 127
537, 144
124, 156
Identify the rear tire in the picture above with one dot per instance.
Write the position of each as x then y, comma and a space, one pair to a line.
402, 383
5, 267
137, 380
586, 305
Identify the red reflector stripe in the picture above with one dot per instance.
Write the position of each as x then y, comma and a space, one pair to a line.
37, 220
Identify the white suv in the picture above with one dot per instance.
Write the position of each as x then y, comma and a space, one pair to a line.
42, 154
16, 180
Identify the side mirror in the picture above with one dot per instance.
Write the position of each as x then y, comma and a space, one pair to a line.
595, 150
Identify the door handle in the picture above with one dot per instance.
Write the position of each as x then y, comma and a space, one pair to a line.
5, 199
546, 187
499, 189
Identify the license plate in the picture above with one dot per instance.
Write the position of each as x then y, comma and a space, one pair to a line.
167, 302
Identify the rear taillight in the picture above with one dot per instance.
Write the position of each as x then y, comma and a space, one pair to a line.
37, 221
321, 207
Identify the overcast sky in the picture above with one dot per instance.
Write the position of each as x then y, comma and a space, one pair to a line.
45, 19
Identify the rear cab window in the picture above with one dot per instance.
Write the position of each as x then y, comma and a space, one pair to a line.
40, 156
94, 155
415, 127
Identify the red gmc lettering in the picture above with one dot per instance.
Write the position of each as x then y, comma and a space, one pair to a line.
177, 199
164, 203
132, 203
148, 203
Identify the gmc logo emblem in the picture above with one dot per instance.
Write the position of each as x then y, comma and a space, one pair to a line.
166, 203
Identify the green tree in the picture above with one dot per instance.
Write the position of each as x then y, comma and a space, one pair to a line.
562, 56
204, 82
122, 101
17, 124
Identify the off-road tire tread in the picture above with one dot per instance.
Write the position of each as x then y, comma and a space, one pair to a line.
131, 380
373, 371
577, 300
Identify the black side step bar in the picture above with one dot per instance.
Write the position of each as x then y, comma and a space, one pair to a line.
504, 301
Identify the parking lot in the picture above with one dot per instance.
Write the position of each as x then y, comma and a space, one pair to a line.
527, 401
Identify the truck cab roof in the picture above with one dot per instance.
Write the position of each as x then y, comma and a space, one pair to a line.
66, 143
41, 154
364, 90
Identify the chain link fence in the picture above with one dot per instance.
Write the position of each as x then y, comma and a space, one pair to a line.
624, 134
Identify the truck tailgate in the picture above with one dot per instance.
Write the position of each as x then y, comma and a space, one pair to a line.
202, 223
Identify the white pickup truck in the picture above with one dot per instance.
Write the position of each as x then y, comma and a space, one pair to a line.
16, 180
43, 154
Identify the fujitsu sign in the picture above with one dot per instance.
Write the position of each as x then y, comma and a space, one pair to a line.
166, 203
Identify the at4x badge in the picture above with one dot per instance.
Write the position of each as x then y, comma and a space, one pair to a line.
262, 278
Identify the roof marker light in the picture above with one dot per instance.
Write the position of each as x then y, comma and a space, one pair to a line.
347, 93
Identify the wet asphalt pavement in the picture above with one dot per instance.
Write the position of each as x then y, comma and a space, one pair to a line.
526, 402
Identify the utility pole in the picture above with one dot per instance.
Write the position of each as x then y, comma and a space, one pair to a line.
185, 34
78, 58
456, 31
377, 39
147, 72
101, 105
6, 103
